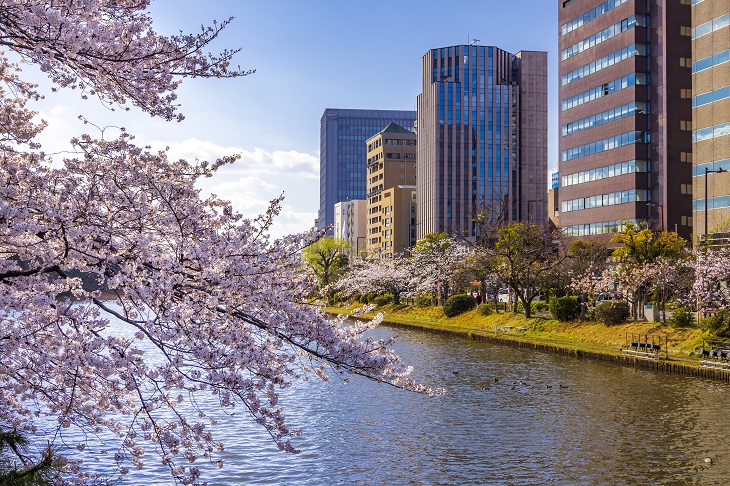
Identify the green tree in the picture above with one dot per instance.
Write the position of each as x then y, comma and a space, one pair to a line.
526, 256
640, 245
18, 468
328, 259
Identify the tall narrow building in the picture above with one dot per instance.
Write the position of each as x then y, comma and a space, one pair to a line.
482, 139
711, 115
625, 115
342, 158
391, 197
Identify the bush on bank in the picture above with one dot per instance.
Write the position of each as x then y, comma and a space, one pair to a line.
565, 308
458, 304
611, 312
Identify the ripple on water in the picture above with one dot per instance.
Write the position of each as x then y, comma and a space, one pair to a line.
607, 425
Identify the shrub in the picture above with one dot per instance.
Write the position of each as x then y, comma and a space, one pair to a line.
565, 308
364, 299
719, 324
381, 300
681, 317
485, 309
612, 312
424, 301
540, 306
458, 304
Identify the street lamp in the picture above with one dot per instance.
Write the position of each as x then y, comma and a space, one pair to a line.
661, 214
707, 171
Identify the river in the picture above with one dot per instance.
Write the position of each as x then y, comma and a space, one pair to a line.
510, 417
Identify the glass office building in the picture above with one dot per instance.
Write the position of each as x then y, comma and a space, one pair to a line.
625, 115
343, 154
482, 139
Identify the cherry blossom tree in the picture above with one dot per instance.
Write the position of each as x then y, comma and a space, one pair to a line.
434, 262
711, 288
378, 274
112, 257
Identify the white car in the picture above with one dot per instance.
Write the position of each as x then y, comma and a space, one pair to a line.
604, 297
504, 295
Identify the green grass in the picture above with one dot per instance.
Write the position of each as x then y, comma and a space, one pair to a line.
588, 336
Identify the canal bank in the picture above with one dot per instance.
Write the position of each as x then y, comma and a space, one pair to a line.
587, 340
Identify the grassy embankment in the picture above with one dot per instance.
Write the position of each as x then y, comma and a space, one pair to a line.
585, 336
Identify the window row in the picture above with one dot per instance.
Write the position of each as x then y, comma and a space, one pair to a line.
613, 170
695, 2
590, 15
603, 228
712, 203
604, 35
710, 97
620, 197
711, 132
699, 170
391, 141
603, 63
605, 117
604, 90
711, 26
710, 61
605, 144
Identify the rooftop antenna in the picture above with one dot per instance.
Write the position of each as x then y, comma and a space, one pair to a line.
473, 41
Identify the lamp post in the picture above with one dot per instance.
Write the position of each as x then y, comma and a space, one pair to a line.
661, 214
707, 171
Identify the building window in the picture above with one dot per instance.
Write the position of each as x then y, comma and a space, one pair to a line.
605, 62
605, 117
613, 170
590, 15
605, 144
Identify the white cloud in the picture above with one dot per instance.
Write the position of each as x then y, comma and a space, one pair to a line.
258, 177
257, 161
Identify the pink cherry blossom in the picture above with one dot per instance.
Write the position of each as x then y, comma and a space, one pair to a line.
114, 253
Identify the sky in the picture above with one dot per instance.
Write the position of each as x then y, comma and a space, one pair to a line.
308, 56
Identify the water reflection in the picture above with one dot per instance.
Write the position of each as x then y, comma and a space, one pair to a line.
511, 416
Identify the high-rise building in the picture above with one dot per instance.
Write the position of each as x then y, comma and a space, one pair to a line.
350, 223
391, 196
711, 117
342, 156
482, 139
625, 115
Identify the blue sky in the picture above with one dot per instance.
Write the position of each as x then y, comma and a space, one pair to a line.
308, 56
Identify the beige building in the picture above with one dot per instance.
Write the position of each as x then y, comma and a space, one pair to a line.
710, 118
350, 218
391, 191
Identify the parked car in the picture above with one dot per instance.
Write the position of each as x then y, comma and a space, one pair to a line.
604, 297
539, 297
505, 295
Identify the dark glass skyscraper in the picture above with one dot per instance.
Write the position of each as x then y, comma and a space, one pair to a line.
343, 154
482, 139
